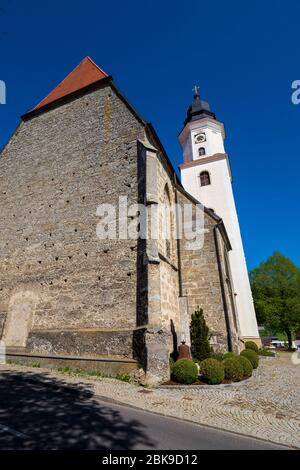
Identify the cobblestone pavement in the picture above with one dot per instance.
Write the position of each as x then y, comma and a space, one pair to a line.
267, 406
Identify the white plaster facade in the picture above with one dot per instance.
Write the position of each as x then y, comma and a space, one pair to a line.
218, 195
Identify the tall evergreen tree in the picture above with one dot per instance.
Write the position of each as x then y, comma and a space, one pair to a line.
276, 294
199, 336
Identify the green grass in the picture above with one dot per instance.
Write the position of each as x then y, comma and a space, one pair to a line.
16, 363
75, 372
94, 374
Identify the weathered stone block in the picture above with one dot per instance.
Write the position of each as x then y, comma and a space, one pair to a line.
82, 343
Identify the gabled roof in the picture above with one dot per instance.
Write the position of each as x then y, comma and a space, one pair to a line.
85, 74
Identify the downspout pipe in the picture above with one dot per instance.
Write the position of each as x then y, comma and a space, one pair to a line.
222, 283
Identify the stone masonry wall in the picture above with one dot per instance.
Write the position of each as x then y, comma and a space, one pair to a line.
54, 271
230, 296
201, 281
168, 252
64, 291
162, 268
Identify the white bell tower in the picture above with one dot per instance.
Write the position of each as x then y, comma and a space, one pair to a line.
205, 174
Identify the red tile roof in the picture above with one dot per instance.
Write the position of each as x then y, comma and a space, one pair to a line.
86, 73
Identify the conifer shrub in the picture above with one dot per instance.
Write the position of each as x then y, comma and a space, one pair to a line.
251, 345
247, 366
185, 371
199, 336
251, 356
233, 369
212, 371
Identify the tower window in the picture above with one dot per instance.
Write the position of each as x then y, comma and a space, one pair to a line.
201, 151
204, 178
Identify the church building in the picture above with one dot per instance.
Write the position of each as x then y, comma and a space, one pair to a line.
116, 304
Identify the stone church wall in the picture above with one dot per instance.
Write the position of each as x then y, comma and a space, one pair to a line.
161, 265
55, 273
168, 253
231, 307
201, 281
63, 291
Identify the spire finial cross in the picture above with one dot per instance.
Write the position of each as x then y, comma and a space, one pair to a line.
196, 90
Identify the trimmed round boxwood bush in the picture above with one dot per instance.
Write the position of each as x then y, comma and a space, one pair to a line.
185, 371
212, 371
247, 366
171, 363
251, 356
251, 345
228, 354
233, 369
217, 356
265, 352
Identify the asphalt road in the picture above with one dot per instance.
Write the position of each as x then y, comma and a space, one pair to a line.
41, 413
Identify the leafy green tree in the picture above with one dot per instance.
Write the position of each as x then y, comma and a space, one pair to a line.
276, 292
199, 336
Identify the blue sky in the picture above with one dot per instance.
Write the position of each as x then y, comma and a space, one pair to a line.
243, 55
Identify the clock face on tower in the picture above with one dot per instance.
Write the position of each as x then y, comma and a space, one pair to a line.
199, 138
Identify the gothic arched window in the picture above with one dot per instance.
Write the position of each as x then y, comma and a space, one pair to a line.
201, 151
204, 178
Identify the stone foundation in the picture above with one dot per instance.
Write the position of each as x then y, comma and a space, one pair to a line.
92, 342
107, 365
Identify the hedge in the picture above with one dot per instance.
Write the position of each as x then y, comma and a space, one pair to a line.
251, 356
247, 366
185, 371
251, 345
212, 371
233, 369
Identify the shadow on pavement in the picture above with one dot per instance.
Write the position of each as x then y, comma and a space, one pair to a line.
52, 414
